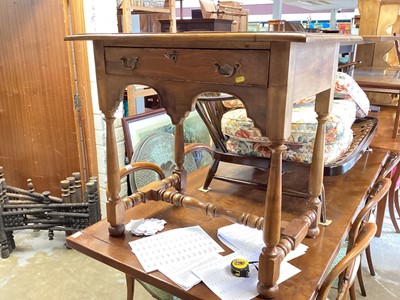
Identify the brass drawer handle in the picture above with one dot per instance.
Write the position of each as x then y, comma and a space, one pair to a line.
130, 63
226, 70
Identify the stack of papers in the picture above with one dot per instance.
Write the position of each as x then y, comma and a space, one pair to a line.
189, 255
247, 243
175, 253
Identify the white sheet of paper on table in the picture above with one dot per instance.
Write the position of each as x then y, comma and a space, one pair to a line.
177, 246
182, 273
217, 276
249, 242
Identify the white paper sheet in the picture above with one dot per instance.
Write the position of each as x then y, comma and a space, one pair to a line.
178, 246
182, 274
249, 242
216, 274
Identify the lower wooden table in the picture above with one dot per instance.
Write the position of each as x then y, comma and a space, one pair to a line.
344, 195
198, 25
381, 80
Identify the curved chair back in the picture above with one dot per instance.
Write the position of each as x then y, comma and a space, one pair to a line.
382, 188
348, 265
393, 200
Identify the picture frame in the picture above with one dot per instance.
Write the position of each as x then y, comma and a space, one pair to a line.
137, 127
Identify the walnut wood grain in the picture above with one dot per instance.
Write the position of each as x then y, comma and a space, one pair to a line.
203, 62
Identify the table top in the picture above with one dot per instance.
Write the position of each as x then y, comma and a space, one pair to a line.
344, 195
378, 77
219, 40
383, 138
199, 20
380, 38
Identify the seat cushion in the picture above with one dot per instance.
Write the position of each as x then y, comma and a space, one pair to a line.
332, 151
236, 103
245, 139
294, 152
233, 103
347, 88
304, 122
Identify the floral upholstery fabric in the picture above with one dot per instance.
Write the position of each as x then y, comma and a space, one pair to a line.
304, 122
234, 103
245, 139
236, 124
294, 152
332, 151
347, 88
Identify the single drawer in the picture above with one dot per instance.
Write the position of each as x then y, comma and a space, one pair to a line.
247, 67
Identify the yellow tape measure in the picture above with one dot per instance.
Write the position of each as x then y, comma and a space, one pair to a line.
240, 267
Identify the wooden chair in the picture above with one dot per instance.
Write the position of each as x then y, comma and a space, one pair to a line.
230, 10
388, 171
211, 110
379, 191
131, 169
348, 266
393, 199
276, 25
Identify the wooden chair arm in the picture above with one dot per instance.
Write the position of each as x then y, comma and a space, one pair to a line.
138, 166
390, 164
197, 147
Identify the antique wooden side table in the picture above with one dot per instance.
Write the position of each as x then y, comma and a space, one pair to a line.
267, 71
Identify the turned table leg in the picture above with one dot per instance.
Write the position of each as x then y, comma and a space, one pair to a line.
317, 166
271, 256
180, 157
115, 208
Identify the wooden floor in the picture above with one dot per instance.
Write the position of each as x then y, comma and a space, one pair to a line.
383, 138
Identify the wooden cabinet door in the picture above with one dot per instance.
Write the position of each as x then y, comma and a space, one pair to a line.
38, 135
